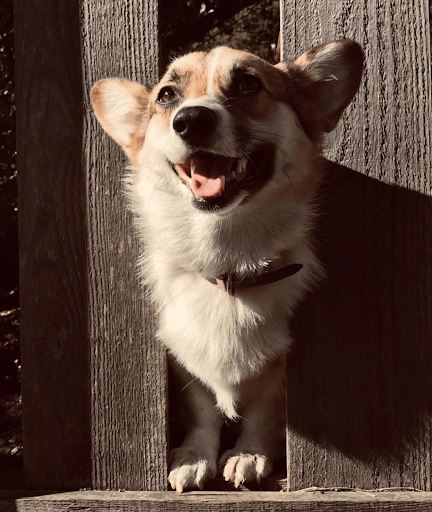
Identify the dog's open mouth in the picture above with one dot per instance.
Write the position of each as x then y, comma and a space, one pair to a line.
216, 180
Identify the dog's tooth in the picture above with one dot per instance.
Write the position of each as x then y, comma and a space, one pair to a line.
192, 168
233, 169
240, 170
223, 183
236, 171
221, 191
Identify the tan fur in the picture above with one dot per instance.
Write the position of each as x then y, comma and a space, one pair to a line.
229, 349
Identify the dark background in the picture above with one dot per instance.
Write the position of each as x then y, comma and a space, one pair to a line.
184, 27
10, 398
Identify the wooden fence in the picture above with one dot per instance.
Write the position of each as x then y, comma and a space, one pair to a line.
359, 392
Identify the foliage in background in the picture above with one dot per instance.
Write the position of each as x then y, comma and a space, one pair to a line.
201, 25
10, 399
8, 171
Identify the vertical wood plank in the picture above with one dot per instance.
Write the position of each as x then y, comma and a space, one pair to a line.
53, 245
359, 380
93, 377
128, 368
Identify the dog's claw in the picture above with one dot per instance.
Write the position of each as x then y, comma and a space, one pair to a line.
189, 470
244, 467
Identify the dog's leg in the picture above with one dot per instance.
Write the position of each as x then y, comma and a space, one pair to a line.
263, 429
194, 461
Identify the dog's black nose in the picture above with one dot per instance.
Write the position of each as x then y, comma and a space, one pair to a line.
195, 124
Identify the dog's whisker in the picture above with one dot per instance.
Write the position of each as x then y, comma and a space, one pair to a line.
292, 184
225, 101
247, 156
152, 193
273, 134
188, 384
265, 140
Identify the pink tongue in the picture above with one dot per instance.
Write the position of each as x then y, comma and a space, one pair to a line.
204, 187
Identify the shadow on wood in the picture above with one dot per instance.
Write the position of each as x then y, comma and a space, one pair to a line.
53, 247
359, 376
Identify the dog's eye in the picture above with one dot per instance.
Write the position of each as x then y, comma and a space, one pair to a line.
166, 95
249, 84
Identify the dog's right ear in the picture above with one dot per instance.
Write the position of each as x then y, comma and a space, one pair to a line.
120, 107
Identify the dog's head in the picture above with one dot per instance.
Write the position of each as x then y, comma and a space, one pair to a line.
221, 124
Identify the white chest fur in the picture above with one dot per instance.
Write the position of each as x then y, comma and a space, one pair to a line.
220, 339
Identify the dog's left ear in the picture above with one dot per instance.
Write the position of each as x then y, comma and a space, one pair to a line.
327, 78
120, 107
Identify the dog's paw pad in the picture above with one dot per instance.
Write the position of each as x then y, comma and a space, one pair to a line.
189, 470
245, 467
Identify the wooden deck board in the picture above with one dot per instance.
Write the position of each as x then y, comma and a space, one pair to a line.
304, 501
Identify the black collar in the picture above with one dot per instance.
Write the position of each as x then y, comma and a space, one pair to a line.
229, 284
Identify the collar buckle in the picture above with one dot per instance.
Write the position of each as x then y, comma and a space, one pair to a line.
226, 284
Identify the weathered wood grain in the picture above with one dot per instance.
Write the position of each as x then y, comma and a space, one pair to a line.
227, 502
127, 367
93, 378
53, 244
359, 379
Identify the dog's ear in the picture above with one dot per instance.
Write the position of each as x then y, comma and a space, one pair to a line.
327, 78
120, 107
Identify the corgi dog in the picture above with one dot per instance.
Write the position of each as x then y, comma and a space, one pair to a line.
224, 169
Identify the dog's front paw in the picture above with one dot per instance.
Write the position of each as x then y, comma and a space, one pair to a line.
244, 467
189, 469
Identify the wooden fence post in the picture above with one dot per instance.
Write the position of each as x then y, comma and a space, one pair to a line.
360, 378
93, 377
